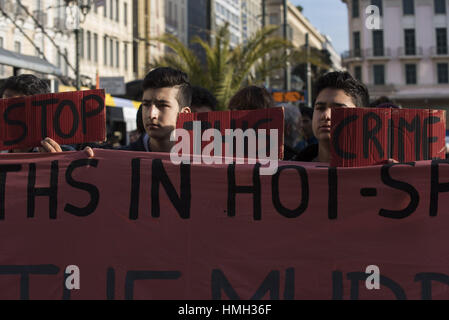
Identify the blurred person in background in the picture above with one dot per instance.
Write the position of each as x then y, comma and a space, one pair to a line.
202, 100
292, 118
306, 130
251, 98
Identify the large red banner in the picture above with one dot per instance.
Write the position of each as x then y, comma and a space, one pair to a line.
139, 227
68, 118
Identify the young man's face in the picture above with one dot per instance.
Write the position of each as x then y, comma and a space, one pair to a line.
326, 100
160, 110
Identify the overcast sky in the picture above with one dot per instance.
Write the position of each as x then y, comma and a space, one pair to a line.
329, 17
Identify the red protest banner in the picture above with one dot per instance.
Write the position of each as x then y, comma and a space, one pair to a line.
220, 232
67, 118
362, 137
266, 119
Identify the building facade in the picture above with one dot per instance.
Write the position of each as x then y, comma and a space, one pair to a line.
229, 11
297, 28
251, 18
410, 63
176, 19
45, 25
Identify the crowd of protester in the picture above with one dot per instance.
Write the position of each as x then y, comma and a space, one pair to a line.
167, 92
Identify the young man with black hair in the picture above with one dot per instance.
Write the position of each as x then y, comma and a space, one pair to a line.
30, 85
335, 89
166, 93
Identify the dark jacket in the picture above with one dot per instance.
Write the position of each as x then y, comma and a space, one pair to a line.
136, 146
309, 154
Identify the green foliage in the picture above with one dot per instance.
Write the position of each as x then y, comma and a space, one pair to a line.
226, 70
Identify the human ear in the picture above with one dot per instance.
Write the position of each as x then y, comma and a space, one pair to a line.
185, 110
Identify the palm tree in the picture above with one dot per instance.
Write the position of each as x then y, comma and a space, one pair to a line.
226, 69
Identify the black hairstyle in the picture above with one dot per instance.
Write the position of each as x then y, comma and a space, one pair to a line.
344, 81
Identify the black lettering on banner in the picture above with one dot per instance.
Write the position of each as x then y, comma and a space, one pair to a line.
88, 114
336, 138
289, 288
25, 272
356, 277
15, 123
414, 126
135, 189
426, 140
399, 185
110, 284
270, 284
426, 279
90, 188
255, 190
371, 135
51, 192
182, 203
436, 187
4, 169
44, 104
332, 209
57, 118
337, 285
132, 276
295, 213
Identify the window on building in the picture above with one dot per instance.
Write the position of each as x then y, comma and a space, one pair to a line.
105, 50
135, 57
377, 3
125, 14
409, 41
125, 55
17, 47
441, 34
95, 47
88, 46
443, 73
440, 6
358, 72
117, 10
356, 40
117, 54
111, 52
105, 8
379, 74
410, 74
355, 8
408, 7
378, 43
111, 9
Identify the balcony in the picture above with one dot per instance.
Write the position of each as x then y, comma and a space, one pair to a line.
411, 53
439, 52
378, 54
352, 55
